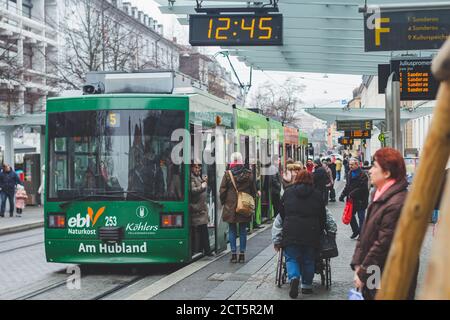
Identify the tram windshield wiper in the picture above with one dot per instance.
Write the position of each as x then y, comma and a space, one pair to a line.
136, 194
110, 194
100, 195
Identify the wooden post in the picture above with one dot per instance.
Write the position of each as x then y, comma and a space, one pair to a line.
420, 202
437, 280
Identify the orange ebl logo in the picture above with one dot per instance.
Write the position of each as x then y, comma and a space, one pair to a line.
97, 214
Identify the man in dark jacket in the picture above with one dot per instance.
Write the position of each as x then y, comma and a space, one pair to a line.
8, 181
321, 180
356, 188
332, 166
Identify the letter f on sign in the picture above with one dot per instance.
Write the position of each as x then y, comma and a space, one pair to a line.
379, 30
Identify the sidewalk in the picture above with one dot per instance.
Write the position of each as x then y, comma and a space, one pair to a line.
255, 280
32, 217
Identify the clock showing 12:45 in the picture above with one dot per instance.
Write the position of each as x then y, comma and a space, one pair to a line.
236, 29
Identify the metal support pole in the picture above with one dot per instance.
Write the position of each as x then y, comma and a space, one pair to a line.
9, 146
393, 113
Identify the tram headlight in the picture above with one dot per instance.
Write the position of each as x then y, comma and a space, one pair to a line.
172, 220
56, 220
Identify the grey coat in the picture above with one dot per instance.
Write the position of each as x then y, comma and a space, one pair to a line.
198, 208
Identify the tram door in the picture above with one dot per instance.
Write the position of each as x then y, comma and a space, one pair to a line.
265, 181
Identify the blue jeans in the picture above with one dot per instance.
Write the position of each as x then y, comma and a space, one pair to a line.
10, 197
354, 224
300, 261
232, 235
338, 175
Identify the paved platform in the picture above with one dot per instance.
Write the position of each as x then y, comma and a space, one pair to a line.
32, 217
218, 279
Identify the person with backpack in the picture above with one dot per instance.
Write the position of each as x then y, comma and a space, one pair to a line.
356, 189
236, 180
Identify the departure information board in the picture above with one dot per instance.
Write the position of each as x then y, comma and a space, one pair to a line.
389, 30
358, 134
416, 79
345, 141
353, 125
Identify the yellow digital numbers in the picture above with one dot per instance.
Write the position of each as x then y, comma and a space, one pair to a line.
220, 28
262, 28
218, 36
251, 28
113, 120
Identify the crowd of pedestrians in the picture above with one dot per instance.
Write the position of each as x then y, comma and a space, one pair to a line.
377, 191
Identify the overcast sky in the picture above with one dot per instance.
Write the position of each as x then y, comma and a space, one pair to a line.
320, 90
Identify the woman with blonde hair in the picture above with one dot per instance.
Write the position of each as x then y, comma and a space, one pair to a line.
240, 178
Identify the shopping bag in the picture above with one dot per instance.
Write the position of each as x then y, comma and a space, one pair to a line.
354, 294
328, 246
348, 212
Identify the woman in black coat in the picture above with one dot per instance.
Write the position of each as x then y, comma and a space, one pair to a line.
303, 214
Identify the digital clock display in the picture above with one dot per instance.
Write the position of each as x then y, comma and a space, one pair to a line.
236, 30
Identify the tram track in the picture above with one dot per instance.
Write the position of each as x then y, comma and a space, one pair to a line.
118, 288
21, 247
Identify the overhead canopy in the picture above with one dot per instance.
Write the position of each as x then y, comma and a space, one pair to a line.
332, 114
323, 36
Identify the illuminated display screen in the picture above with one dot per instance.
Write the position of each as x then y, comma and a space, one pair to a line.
345, 141
353, 125
416, 80
236, 30
358, 134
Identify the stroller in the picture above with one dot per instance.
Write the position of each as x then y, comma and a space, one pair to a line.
322, 268
323, 264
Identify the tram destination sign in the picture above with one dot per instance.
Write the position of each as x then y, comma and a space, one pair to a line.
236, 29
405, 29
416, 80
354, 125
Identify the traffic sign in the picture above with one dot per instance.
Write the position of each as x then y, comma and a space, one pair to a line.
354, 125
381, 137
390, 30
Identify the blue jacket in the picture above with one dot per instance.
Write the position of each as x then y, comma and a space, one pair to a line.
8, 181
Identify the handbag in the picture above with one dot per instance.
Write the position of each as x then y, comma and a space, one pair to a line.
245, 202
348, 212
355, 294
328, 246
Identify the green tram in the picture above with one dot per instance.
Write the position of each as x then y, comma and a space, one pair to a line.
116, 194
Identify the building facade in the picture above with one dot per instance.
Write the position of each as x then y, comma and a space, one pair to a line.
209, 72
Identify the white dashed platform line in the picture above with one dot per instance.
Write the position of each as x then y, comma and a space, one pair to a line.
172, 279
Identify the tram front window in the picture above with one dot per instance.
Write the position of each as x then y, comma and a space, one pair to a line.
115, 154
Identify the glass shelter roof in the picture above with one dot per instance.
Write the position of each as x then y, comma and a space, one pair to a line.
319, 35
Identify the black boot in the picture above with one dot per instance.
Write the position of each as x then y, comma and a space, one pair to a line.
241, 257
233, 258
293, 292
